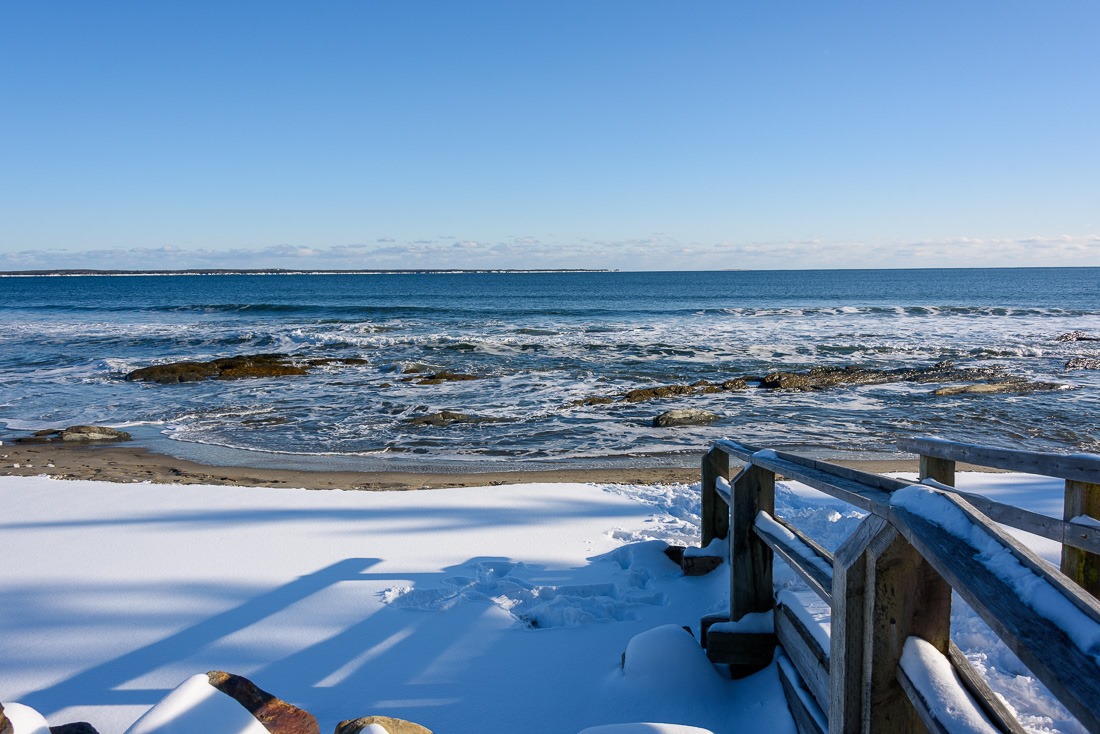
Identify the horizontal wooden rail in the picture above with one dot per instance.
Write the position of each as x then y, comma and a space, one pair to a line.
1081, 473
892, 580
1078, 467
805, 557
1044, 645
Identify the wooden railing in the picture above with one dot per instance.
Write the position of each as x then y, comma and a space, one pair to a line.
889, 586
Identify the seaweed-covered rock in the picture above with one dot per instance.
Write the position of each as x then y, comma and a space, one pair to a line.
276, 715
663, 391
686, 417
1004, 386
593, 400
449, 417
1077, 336
819, 378
229, 368
643, 394
76, 434
1083, 363
437, 378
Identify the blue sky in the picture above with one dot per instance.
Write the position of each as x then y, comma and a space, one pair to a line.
634, 135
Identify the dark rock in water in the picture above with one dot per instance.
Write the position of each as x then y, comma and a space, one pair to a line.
664, 391
594, 400
229, 368
819, 378
75, 434
641, 395
686, 417
393, 726
77, 727
1083, 363
449, 417
1004, 386
1077, 336
276, 715
437, 378
337, 360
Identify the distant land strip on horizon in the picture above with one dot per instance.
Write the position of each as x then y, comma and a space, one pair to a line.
285, 271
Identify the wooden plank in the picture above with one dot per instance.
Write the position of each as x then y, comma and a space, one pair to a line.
1083, 567
877, 481
750, 557
941, 470
745, 652
808, 718
714, 512
1078, 467
849, 628
983, 695
1030, 560
736, 449
927, 712
804, 651
907, 598
852, 491
1072, 675
1078, 536
724, 489
818, 579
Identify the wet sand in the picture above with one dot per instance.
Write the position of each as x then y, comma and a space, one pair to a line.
130, 463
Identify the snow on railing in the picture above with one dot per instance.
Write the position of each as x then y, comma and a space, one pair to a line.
892, 580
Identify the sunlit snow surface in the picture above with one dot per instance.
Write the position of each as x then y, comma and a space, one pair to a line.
506, 606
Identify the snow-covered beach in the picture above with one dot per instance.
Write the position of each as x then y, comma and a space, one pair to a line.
460, 608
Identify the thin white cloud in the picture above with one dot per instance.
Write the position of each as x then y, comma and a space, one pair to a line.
656, 252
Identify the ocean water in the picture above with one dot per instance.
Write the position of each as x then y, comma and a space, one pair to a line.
538, 342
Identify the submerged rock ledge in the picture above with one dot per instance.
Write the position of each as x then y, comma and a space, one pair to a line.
233, 368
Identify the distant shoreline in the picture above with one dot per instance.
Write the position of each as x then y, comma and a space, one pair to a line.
79, 272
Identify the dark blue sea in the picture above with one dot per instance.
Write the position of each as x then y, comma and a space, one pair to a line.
538, 342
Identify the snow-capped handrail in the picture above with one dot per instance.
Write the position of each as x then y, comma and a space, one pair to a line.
893, 579
1077, 529
1076, 467
1051, 624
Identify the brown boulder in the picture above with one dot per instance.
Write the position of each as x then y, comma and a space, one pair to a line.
76, 433
992, 388
393, 726
1077, 336
277, 716
437, 378
663, 391
594, 400
5, 725
228, 368
1083, 363
819, 378
448, 417
686, 417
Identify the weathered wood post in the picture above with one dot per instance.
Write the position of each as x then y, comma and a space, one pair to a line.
883, 593
1082, 498
752, 490
940, 470
715, 513
849, 628
750, 557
